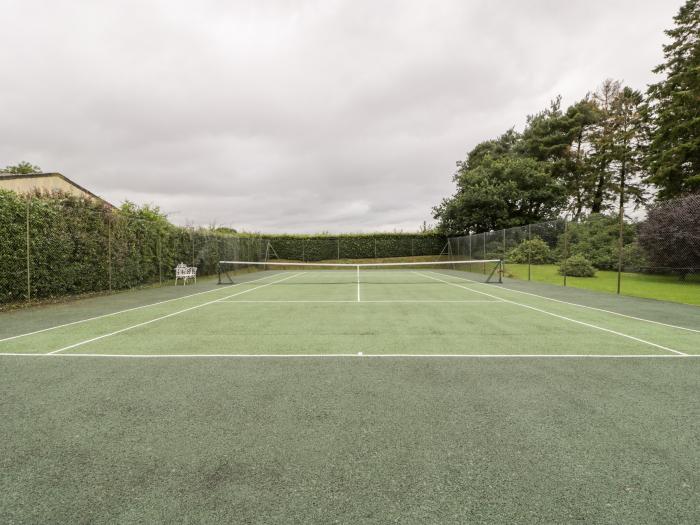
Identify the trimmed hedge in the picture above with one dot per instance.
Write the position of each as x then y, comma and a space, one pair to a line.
355, 246
79, 246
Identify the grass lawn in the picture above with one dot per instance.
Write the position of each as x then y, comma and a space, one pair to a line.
661, 287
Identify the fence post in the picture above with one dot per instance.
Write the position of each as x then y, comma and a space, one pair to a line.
192, 238
375, 247
159, 248
566, 247
109, 253
470, 246
29, 279
504, 249
338, 249
620, 242
529, 251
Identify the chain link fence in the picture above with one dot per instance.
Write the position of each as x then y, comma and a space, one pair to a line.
53, 247
645, 259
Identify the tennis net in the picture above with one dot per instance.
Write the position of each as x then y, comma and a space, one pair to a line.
487, 271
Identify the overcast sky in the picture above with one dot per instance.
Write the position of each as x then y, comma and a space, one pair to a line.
303, 116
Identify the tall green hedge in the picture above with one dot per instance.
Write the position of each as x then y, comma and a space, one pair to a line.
56, 245
355, 246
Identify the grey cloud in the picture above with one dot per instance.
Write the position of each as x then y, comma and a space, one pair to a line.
297, 116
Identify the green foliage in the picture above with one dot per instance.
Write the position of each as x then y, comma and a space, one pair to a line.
596, 238
674, 106
23, 168
577, 266
500, 192
535, 251
79, 246
356, 246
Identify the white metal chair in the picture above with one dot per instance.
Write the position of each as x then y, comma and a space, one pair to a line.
184, 272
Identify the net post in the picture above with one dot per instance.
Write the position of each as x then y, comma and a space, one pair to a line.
500, 271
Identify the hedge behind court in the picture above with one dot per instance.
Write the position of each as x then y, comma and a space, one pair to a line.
355, 246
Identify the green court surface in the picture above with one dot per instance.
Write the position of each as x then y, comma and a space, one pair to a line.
405, 396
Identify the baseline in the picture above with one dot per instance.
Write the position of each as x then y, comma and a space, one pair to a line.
358, 356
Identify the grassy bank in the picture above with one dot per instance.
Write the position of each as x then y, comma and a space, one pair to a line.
661, 287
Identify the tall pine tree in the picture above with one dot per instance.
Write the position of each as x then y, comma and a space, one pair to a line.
674, 103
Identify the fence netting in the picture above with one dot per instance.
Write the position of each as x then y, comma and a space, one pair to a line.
597, 252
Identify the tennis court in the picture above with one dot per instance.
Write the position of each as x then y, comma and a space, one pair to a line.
302, 394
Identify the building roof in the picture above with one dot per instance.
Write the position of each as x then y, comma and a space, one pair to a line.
9, 176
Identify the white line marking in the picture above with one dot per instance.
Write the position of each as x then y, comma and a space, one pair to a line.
585, 306
127, 310
562, 317
388, 301
479, 356
165, 316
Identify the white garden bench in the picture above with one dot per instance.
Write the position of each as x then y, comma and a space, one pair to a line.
184, 272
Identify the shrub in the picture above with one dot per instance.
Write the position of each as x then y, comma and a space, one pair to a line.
577, 266
597, 239
535, 251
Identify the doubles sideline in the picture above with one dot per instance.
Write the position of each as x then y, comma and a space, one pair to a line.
590, 325
81, 343
55, 327
585, 306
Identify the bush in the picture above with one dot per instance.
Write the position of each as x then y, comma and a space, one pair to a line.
577, 266
535, 251
597, 239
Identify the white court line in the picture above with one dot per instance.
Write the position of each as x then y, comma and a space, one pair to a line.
585, 306
165, 316
558, 356
127, 310
388, 301
562, 317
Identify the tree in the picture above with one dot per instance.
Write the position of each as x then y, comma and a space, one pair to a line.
500, 192
627, 154
674, 106
670, 236
601, 138
580, 118
23, 168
